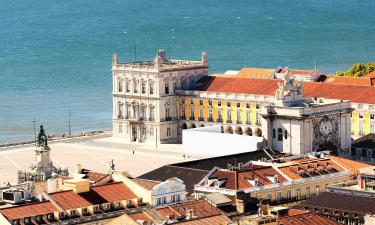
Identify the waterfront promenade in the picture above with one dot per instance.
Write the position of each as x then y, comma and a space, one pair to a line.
93, 154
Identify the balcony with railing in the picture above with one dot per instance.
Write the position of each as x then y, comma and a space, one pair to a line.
229, 121
183, 117
151, 119
219, 120
248, 122
201, 119
191, 118
210, 119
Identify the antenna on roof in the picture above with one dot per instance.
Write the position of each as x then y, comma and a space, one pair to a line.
315, 66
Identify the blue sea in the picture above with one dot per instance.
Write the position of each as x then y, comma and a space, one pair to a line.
56, 55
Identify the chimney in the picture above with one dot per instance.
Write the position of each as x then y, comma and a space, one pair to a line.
78, 168
240, 206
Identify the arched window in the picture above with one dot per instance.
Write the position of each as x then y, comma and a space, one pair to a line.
280, 134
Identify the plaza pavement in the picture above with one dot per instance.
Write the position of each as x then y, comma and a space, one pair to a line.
93, 154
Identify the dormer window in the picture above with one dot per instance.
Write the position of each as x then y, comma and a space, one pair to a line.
254, 182
273, 178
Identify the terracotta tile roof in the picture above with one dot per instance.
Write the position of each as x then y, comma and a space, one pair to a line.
364, 94
212, 220
28, 210
69, 200
351, 165
341, 202
359, 81
95, 176
238, 85
306, 219
168, 212
238, 179
309, 167
255, 73
370, 75
297, 72
141, 216
111, 192
201, 208
147, 184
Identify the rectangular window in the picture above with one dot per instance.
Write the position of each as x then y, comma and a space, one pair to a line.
164, 200
143, 88
152, 114
372, 116
192, 113
200, 114
183, 112
135, 86
158, 201
219, 103
200, 102
273, 133
317, 189
166, 88
248, 121
168, 131
360, 115
257, 120
120, 86
219, 116
210, 113
298, 194
229, 113
248, 105
308, 192
174, 87
278, 196
228, 104
151, 88
257, 106
361, 129
209, 102
238, 105
285, 134
239, 116
178, 198
127, 86
192, 101
372, 128
288, 194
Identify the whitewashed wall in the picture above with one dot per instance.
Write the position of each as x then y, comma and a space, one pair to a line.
208, 141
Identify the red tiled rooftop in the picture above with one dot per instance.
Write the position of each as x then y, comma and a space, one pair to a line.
238, 180
255, 73
113, 192
28, 210
291, 170
306, 219
95, 176
351, 165
212, 220
201, 208
69, 200
140, 216
359, 81
364, 94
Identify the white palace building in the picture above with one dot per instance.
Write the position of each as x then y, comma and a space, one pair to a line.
153, 101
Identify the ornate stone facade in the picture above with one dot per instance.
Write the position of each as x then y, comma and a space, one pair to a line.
145, 105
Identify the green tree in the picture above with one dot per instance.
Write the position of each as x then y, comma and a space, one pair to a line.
358, 70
